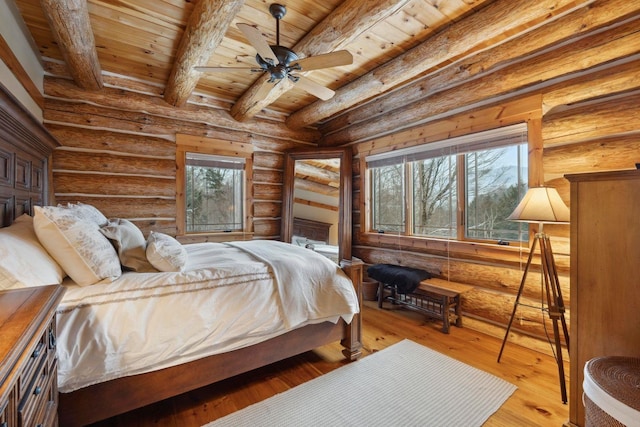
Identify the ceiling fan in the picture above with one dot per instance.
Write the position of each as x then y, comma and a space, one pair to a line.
281, 62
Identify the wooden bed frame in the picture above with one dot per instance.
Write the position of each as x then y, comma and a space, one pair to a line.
25, 152
313, 230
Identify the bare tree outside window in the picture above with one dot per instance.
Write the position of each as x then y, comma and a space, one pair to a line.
434, 197
388, 207
213, 199
496, 180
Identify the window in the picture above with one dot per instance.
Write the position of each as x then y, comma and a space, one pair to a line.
496, 181
387, 183
214, 193
461, 188
211, 180
434, 196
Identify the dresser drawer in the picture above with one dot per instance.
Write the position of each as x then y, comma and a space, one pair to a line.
37, 393
37, 355
39, 397
28, 362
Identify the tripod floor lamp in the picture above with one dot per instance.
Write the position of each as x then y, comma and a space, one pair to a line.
544, 205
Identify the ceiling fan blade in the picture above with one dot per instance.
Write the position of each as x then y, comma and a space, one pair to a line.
258, 42
333, 59
314, 88
226, 69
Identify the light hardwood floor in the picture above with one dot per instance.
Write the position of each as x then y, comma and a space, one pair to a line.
537, 401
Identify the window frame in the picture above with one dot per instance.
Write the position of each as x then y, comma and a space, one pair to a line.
533, 141
215, 147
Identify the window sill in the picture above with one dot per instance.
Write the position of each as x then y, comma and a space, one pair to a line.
512, 254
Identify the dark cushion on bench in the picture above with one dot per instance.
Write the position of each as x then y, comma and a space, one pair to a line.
405, 279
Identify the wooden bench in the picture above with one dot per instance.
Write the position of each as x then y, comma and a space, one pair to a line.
437, 298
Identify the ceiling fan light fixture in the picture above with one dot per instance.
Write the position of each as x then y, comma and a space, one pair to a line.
285, 58
282, 63
284, 55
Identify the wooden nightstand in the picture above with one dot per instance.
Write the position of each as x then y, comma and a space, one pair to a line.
28, 362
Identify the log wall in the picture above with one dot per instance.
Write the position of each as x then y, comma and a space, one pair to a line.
590, 121
118, 152
594, 135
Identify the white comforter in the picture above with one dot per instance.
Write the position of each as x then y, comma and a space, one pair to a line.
229, 296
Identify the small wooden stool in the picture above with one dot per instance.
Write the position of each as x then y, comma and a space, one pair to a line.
449, 295
433, 297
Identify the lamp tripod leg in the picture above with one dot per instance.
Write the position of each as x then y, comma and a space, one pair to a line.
517, 301
560, 362
557, 294
556, 308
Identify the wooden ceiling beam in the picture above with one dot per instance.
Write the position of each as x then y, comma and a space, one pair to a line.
337, 30
207, 25
71, 28
317, 174
315, 187
599, 49
570, 26
488, 26
315, 204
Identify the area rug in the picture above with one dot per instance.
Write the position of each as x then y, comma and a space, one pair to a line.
405, 384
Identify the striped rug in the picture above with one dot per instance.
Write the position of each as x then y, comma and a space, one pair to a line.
405, 384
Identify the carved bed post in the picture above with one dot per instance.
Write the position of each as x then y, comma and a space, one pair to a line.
352, 342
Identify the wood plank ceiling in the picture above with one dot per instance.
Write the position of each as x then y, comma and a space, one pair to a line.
160, 41
396, 44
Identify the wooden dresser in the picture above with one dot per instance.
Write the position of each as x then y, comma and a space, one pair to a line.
605, 273
28, 362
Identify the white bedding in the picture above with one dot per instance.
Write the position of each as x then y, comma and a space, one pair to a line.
229, 296
330, 251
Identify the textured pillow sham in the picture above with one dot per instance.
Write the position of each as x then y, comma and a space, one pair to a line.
88, 212
165, 253
74, 240
23, 260
129, 242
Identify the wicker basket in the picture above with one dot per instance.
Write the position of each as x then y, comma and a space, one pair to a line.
612, 392
370, 290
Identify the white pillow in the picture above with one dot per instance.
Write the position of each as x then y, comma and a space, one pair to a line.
303, 241
23, 260
298, 240
76, 243
165, 253
88, 212
129, 243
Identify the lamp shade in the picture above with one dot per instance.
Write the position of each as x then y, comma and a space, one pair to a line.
541, 204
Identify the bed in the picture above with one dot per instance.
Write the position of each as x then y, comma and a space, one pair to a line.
199, 288
253, 334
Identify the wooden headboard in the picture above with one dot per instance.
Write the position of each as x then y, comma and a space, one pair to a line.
25, 150
314, 230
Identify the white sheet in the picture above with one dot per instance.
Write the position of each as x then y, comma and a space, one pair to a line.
329, 251
226, 299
